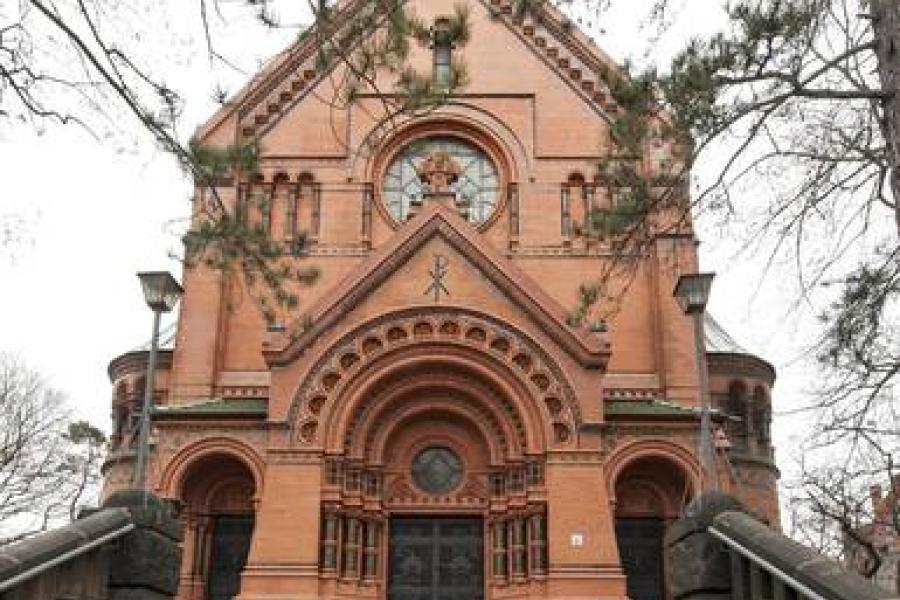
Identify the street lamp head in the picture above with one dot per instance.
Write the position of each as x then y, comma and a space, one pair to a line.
161, 291
692, 292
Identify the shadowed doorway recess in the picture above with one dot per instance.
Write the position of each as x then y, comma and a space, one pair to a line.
436, 559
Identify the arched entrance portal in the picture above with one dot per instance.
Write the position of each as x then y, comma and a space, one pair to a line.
217, 492
434, 479
436, 461
651, 492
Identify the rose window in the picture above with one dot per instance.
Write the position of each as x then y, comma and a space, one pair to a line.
437, 470
442, 169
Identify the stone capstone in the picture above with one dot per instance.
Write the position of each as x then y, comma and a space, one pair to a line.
697, 565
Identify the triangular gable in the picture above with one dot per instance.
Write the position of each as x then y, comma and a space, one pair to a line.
435, 220
547, 33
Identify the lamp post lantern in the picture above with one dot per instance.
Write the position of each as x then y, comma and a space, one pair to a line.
692, 293
161, 292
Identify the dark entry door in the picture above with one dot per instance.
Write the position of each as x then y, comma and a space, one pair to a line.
230, 547
641, 548
436, 559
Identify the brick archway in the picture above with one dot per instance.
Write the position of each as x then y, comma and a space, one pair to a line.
651, 482
660, 451
216, 487
176, 470
520, 376
450, 380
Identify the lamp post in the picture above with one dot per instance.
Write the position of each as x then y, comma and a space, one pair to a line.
692, 293
161, 292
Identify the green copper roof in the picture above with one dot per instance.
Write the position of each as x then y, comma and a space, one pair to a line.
217, 406
635, 408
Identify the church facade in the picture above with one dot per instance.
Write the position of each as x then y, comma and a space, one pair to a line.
430, 421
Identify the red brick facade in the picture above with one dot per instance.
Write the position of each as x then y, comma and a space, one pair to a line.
444, 330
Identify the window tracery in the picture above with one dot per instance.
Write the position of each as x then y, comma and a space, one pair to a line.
441, 168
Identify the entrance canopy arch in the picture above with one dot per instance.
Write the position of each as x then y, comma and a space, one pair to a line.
420, 399
218, 485
668, 468
475, 356
651, 481
193, 458
438, 375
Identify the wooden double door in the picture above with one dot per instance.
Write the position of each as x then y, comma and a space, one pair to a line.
436, 559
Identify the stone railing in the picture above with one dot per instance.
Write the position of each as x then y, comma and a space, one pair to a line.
719, 552
129, 549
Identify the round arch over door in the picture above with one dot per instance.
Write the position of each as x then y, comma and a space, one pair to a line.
217, 491
651, 492
435, 430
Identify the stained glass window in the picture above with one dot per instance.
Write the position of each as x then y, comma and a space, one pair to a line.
437, 470
475, 187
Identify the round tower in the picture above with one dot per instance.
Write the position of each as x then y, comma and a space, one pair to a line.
740, 386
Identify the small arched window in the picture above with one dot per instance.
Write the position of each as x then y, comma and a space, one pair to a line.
762, 415
576, 206
120, 422
737, 401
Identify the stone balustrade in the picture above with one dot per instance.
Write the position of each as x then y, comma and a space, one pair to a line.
719, 552
127, 550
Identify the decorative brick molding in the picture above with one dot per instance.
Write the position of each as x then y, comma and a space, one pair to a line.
494, 345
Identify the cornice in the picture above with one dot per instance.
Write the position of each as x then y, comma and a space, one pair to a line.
136, 362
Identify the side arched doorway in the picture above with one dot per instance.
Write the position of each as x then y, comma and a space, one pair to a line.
651, 492
217, 492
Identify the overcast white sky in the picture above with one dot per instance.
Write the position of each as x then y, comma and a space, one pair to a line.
95, 213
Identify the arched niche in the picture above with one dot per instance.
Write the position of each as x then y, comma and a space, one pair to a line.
217, 492
652, 486
651, 490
